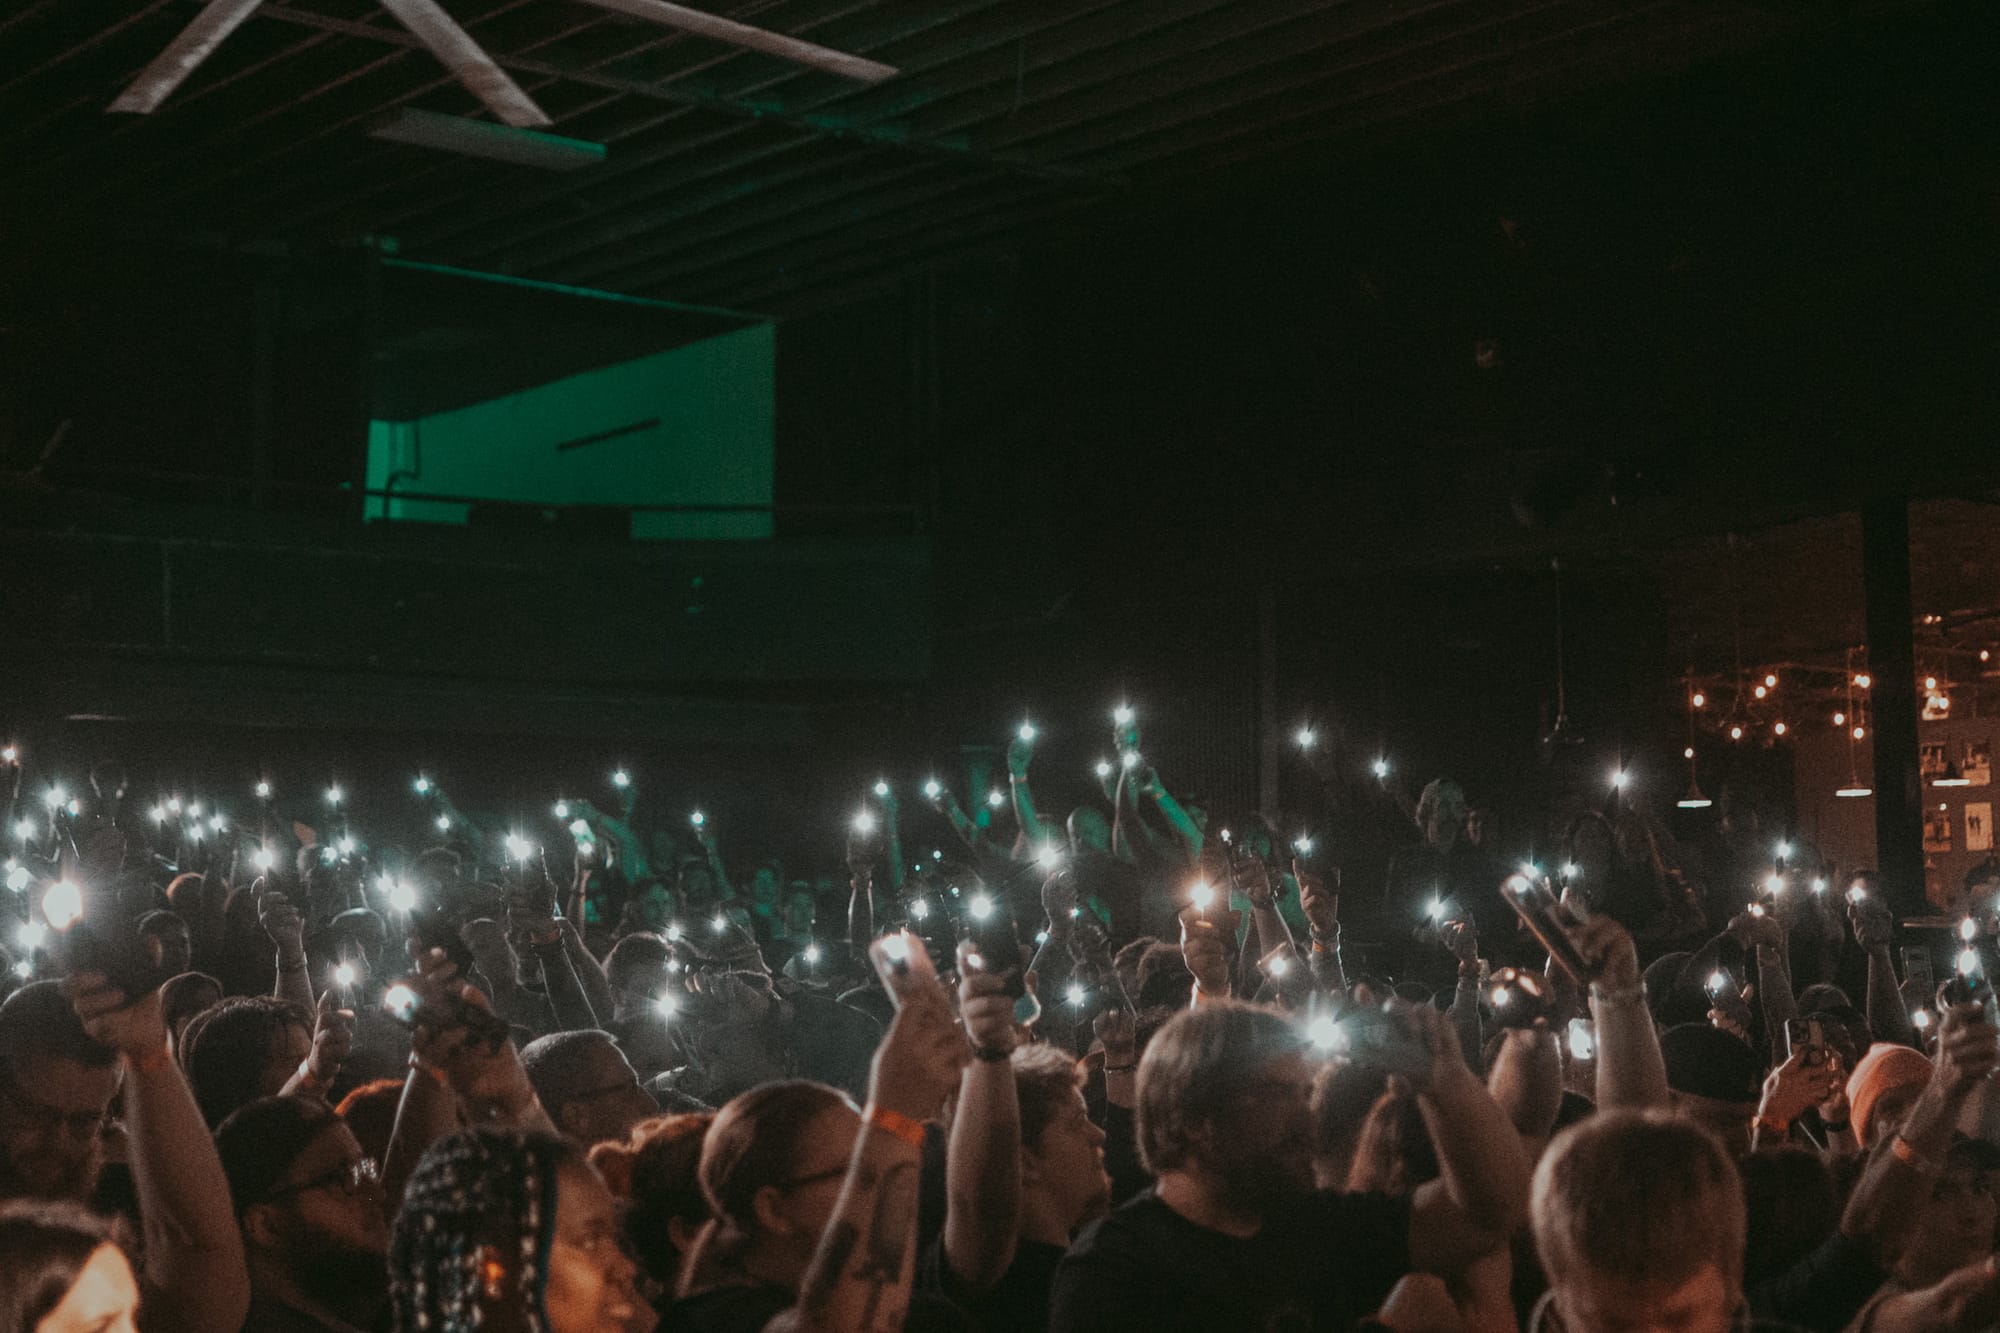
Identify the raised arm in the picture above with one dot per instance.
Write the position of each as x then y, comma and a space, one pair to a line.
1321, 905
1463, 942
1875, 931
332, 1042
859, 1278
983, 1165
1766, 938
1631, 1072
1185, 830
1481, 1195
193, 1250
1020, 753
1889, 1199
286, 930
589, 972
892, 834
861, 889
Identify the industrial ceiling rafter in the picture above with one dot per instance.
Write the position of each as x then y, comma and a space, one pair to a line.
727, 178
468, 61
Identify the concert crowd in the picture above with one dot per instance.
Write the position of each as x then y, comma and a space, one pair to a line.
1137, 1065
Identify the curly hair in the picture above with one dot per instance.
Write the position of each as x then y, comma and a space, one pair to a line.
654, 1172
470, 1248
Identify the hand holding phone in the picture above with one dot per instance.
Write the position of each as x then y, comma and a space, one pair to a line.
903, 964
1520, 999
1536, 905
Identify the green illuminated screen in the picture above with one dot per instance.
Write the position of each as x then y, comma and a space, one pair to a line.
691, 426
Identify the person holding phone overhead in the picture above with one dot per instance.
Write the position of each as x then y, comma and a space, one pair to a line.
1234, 1234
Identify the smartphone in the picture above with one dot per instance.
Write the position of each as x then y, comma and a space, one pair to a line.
1540, 913
1805, 1037
1582, 1039
106, 939
999, 946
1520, 998
903, 964
1377, 1039
481, 1025
1917, 970
1227, 920
433, 928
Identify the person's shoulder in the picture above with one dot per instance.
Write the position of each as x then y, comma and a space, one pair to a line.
1135, 1227
727, 1310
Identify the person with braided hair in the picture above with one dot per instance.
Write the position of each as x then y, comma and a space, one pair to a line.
511, 1231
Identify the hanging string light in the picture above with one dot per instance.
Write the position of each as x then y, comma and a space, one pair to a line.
1694, 800
1855, 787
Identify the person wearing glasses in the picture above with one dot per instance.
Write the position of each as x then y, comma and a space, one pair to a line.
66, 1049
315, 1227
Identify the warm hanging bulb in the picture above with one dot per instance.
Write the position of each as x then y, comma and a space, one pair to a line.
1694, 800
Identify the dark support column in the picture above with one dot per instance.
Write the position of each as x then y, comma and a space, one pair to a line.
1892, 661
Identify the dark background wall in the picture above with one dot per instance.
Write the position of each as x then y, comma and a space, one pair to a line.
1299, 443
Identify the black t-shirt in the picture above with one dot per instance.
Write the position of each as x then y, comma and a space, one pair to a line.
727, 1310
1320, 1264
1018, 1303
749, 1309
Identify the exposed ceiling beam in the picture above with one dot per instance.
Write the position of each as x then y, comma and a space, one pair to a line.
182, 56
822, 125
468, 62
731, 33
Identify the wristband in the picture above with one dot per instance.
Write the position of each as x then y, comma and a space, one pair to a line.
992, 1055
310, 1081
152, 1062
1631, 995
1121, 1069
289, 968
897, 1125
1907, 1154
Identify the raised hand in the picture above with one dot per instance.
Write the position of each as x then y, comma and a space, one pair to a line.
333, 1040
1968, 1048
282, 924
1117, 1030
1794, 1087
1462, 940
1874, 925
130, 1025
1756, 932
864, 848
1252, 876
1020, 753
1319, 902
1206, 954
487, 1076
918, 1062
984, 1006
1608, 953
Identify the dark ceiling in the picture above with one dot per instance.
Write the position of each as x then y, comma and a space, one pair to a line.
737, 180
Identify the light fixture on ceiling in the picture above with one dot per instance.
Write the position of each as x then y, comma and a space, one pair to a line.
482, 138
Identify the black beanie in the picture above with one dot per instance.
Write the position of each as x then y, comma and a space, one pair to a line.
1709, 1062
